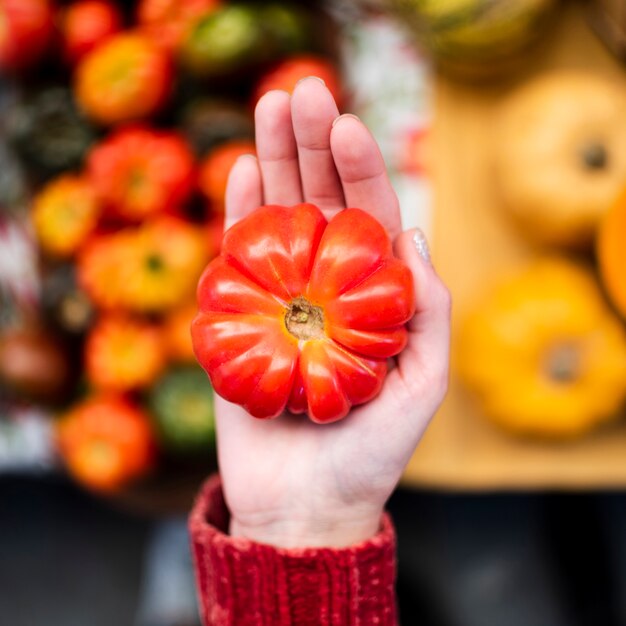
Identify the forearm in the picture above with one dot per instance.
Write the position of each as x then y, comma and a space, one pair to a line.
243, 582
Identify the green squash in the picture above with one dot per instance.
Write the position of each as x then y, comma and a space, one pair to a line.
224, 42
181, 403
238, 38
475, 38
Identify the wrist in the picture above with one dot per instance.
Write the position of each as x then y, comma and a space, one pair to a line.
337, 531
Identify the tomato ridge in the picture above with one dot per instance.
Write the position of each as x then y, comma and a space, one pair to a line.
239, 267
354, 356
381, 265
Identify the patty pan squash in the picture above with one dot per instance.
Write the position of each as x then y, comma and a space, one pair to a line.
544, 353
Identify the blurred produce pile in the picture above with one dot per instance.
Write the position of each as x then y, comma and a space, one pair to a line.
552, 352
122, 122
542, 346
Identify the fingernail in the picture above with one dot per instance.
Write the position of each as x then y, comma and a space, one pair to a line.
419, 239
317, 78
352, 115
247, 156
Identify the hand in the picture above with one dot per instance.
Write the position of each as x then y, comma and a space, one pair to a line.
290, 482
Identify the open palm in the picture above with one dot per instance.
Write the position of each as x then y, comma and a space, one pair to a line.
288, 481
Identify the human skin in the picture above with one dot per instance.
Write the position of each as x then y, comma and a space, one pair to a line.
289, 482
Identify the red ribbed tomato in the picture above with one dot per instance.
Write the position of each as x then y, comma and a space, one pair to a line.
301, 313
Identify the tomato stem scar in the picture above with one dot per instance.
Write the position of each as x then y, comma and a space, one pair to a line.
304, 320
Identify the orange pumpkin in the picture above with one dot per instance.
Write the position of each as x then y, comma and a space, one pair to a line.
148, 269
65, 212
611, 250
106, 441
128, 77
165, 259
123, 354
544, 353
99, 268
561, 155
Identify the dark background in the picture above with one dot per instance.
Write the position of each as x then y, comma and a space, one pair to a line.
69, 559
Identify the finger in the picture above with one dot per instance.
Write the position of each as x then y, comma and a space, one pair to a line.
313, 110
363, 173
277, 150
243, 190
423, 365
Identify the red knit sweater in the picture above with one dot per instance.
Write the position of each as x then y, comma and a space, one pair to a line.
242, 583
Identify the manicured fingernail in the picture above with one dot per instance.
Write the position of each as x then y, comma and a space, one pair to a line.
317, 78
419, 239
352, 115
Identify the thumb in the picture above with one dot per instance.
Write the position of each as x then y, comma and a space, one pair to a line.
426, 358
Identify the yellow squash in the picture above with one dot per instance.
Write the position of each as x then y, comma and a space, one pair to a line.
611, 251
560, 156
544, 353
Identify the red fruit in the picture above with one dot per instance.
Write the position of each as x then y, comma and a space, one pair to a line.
302, 314
26, 29
86, 24
138, 171
167, 22
287, 73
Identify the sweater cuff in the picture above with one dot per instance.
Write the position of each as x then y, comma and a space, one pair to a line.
241, 582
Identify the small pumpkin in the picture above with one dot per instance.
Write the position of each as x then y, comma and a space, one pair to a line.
99, 268
139, 171
165, 259
151, 268
65, 213
127, 77
611, 253
106, 441
123, 354
544, 353
561, 155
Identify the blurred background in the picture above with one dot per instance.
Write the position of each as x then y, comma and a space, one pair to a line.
503, 124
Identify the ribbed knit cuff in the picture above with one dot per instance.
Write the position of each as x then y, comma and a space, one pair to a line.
243, 583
